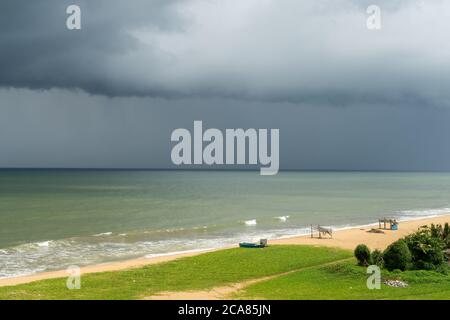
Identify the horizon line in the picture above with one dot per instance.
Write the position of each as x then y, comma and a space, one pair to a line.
207, 169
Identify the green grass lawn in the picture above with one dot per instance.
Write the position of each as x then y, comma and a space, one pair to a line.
316, 278
348, 281
193, 273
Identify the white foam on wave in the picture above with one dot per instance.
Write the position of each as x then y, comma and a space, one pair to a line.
43, 244
103, 234
170, 230
283, 218
423, 213
200, 228
250, 222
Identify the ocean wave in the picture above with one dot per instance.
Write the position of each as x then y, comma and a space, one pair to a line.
200, 228
103, 234
44, 244
170, 230
419, 213
283, 218
250, 222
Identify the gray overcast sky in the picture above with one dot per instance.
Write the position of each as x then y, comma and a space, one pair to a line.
109, 95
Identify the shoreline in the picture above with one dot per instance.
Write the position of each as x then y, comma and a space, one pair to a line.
347, 238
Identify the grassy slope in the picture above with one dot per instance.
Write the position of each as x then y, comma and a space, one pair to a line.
348, 281
193, 273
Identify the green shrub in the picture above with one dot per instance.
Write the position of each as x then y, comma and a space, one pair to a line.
446, 231
441, 232
426, 247
377, 258
446, 235
362, 254
435, 230
397, 256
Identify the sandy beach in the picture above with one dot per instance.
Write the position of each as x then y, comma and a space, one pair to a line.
347, 239
350, 238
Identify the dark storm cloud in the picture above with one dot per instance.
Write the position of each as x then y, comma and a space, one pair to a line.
38, 52
286, 50
57, 128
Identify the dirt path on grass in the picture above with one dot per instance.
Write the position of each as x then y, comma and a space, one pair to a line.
226, 292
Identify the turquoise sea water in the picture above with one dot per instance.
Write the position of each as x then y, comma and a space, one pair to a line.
52, 219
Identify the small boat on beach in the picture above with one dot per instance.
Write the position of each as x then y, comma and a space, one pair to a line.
262, 243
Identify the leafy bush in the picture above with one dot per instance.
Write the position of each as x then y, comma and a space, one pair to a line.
397, 256
446, 235
362, 254
443, 233
435, 230
377, 258
446, 231
426, 247
447, 255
